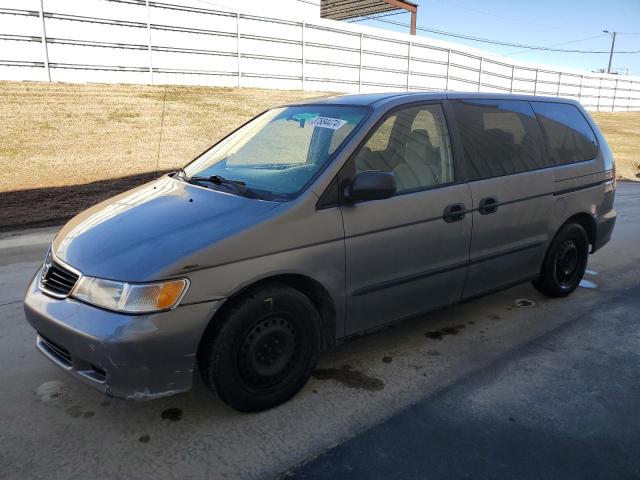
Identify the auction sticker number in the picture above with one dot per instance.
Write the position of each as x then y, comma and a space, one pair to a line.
327, 122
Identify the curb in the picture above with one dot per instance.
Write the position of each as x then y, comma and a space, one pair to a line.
24, 238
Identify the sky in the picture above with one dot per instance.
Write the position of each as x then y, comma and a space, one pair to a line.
540, 23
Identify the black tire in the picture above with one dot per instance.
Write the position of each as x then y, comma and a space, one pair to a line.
565, 262
264, 350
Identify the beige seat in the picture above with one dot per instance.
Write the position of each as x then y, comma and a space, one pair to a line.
421, 163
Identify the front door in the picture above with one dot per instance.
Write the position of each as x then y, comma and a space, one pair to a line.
409, 253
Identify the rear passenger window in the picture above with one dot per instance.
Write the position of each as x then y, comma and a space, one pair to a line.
500, 137
413, 143
569, 136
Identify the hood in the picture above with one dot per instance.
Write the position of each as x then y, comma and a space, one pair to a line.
144, 234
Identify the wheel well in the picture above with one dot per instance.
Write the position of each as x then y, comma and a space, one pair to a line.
318, 295
588, 223
320, 298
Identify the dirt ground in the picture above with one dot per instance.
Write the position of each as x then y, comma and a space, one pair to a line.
64, 147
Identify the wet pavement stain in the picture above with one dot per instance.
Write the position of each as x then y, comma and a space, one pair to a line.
172, 414
74, 411
50, 391
144, 439
524, 303
436, 335
439, 334
450, 330
349, 377
106, 403
494, 317
387, 359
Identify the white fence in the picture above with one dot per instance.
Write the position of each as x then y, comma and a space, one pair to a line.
143, 41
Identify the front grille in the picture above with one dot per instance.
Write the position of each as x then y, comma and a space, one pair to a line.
57, 279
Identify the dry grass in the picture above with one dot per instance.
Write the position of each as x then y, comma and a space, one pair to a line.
80, 143
622, 131
54, 135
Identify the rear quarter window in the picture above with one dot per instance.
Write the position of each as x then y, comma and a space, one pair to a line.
569, 137
500, 137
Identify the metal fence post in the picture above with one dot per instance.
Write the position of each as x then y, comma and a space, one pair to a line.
44, 41
559, 82
408, 65
149, 35
446, 85
535, 84
615, 92
513, 74
480, 74
360, 67
303, 27
599, 93
238, 46
580, 89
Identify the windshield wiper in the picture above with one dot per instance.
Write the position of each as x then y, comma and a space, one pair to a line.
236, 185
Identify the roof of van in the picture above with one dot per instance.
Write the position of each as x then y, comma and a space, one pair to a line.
370, 99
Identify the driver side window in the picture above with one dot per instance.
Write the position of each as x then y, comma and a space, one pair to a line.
413, 143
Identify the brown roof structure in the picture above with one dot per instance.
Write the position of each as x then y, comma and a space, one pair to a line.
347, 9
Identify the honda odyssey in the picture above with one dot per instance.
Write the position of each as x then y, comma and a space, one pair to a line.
315, 222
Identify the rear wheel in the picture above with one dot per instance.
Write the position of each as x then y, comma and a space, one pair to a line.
565, 262
264, 350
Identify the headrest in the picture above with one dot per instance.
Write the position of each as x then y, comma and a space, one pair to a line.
498, 135
419, 139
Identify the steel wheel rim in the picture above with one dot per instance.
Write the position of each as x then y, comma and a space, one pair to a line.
567, 263
268, 352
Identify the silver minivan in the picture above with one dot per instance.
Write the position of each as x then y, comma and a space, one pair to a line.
315, 222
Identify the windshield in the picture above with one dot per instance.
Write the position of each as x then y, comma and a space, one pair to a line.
277, 153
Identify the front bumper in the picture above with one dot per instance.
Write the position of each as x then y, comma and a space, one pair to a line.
128, 356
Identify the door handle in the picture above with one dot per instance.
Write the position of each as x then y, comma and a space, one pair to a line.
488, 205
454, 212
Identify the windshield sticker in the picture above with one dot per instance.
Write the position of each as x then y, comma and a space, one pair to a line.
327, 122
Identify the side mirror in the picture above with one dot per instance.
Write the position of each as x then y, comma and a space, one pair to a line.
372, 185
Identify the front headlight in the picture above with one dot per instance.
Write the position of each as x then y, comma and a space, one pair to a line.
130, 297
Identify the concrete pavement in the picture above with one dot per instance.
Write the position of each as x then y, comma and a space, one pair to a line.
55, 427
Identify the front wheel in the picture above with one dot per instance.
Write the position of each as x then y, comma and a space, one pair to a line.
565, 262
264, 349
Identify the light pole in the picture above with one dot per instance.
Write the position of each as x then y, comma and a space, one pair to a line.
613, 43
